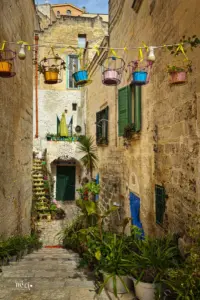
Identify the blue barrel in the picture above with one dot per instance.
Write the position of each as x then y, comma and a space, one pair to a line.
140, 77
80, 76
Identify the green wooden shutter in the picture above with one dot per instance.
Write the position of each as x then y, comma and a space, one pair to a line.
137, 108
106, 117
98, 127
58, 126
124, 109
160, 203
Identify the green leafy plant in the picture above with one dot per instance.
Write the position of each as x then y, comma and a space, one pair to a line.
193, 41
89, 160
128, 131
175, 69
89, 190
153, 257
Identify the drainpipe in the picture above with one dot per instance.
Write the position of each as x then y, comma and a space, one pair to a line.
36, 85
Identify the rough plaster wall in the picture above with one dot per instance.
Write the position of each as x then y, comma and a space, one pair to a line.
16, 122
167, 149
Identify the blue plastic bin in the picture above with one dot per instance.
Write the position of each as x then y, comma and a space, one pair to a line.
140, 77
80, 76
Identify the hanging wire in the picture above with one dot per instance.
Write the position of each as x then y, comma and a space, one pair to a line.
56, 46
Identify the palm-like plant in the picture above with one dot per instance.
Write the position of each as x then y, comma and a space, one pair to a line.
89, 159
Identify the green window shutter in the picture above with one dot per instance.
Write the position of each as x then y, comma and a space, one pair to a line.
106, 124
137, 108
98, 127
124, 109
160, 203
58, 126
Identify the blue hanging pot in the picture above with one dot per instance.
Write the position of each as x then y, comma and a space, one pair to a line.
139, 77
80, 76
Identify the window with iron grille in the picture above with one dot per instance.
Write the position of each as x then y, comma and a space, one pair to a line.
102, 127
72, 68
160, 203
129, 109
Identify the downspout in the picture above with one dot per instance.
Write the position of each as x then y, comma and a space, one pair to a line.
36, 85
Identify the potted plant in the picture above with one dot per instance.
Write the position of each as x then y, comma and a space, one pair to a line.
128, 131
177, 74
139, 71
150, 262
114, 265
112, 69
48, 136
81, 74
51, 68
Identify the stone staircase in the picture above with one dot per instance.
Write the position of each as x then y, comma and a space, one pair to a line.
49, 274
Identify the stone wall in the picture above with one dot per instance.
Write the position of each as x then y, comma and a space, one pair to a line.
16, 23
166, 151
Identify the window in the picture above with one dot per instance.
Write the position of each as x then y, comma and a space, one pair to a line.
136, 5
81, 40
129, 108
73, 67
74, 106
160, 203
69, 12
102, 127
58, 13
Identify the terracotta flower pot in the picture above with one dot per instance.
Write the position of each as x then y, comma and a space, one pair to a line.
178, 77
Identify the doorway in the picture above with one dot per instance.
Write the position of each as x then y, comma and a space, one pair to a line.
135, 211
65, 183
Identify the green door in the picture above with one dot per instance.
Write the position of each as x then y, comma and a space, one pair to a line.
65, 184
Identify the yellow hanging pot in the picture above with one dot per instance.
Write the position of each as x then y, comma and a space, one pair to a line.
5, 67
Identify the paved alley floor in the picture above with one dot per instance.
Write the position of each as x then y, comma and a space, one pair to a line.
49, 274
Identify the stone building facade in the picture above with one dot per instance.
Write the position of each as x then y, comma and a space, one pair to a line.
63, 33
16, 121
165, 152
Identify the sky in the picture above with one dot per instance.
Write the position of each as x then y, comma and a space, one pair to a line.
92, 6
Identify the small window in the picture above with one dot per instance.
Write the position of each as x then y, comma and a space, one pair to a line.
58, 13
160, 203
74, 106
69, 12
73, 67
136, 5
102, 127
82, 40
129, 109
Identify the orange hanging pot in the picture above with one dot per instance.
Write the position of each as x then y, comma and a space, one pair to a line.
51, 76
5, 67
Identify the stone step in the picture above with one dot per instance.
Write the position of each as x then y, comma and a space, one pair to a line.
66, 293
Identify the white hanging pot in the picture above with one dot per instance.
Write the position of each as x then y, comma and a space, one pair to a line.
144, 291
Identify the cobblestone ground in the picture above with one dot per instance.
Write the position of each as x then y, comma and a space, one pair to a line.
49, 274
